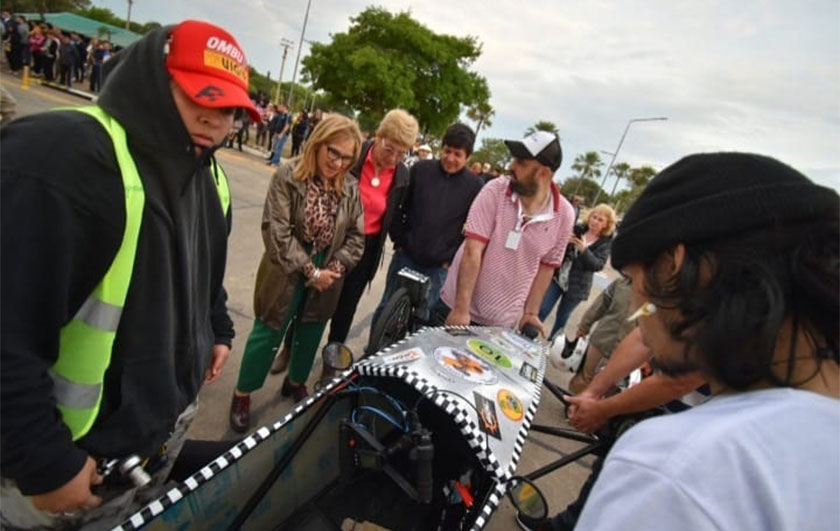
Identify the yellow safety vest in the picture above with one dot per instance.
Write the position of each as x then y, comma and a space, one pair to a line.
86, 341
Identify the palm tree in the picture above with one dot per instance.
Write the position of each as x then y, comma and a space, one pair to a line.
621, 171
481, 113
543, 125
588, 165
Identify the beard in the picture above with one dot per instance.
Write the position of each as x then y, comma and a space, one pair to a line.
525, 186
673, 368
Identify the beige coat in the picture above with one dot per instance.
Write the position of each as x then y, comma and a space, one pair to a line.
281, 267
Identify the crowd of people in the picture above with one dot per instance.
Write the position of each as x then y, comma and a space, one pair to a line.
52, 53
114, 308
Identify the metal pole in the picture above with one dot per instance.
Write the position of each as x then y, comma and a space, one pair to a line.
286, 44
128, 18
294, 72
620, 142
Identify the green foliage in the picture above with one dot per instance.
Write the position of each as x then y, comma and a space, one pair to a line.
586, 188
481, 113
543, 125
638, 179
45, 6
494, 151
387, 60
107, 16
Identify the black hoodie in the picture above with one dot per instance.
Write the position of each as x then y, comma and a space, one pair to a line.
63, 217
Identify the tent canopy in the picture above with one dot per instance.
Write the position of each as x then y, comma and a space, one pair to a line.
88, 27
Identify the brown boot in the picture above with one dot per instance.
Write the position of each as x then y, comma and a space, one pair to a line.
281, 361
240, 413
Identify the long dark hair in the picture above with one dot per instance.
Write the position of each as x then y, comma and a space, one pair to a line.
731, 321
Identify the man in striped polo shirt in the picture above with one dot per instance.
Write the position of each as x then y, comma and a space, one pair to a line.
516, 234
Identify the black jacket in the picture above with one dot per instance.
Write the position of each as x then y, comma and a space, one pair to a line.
63, 218
393, 204
429, 226
586, 264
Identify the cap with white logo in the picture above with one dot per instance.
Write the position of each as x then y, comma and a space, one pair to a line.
542, 146
209, 66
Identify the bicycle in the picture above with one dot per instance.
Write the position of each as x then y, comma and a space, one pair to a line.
405, 311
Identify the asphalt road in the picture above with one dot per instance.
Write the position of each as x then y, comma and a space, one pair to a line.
249, 178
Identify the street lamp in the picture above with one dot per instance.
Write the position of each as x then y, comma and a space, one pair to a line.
620, 142
294, 73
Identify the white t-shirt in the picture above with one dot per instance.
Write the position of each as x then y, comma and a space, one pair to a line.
762, 460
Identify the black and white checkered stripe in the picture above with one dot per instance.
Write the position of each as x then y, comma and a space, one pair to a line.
145, 515
493, 502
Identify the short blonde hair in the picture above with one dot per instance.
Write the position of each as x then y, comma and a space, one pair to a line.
400, 127
331, 128
606, 211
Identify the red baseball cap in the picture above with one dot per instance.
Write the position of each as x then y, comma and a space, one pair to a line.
209, 66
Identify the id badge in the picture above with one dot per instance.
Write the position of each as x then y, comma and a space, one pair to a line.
513, 238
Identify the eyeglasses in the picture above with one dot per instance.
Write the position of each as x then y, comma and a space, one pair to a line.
392, 152
336, 156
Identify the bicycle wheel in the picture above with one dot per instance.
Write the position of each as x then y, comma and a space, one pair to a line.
393, 322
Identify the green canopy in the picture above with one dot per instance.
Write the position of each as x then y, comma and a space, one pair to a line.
88, 27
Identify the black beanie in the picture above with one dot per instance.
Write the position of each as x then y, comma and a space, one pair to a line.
707, 196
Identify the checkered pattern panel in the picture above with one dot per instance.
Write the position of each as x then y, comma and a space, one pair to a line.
145, 515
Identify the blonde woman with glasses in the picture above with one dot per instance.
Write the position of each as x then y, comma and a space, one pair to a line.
312, 229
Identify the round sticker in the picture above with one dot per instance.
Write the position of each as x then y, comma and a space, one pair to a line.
464, 364
510, 405
489, 352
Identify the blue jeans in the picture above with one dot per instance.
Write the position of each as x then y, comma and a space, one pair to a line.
437, 276
564, 310
278, 150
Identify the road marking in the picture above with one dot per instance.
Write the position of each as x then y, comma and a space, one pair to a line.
49, 94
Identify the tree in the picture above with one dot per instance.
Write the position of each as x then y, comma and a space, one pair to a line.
388, 60
543, 125
494, 151
107, 16
588, 165
621, 171
481, 113
586, 188
638, 179
44, 6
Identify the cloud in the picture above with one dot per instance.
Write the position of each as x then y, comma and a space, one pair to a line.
754, 75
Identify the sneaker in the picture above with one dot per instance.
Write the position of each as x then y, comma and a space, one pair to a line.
532, 524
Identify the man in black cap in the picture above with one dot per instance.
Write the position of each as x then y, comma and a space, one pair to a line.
735, 269
516, 233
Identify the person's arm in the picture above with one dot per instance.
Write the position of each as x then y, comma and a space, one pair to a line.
530, 315
467, 277
280, 242
596, 310
594, 257
590, 413
630, 354
401, 222
67, 228
353, 247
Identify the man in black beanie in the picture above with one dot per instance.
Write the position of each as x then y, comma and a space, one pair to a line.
735, 269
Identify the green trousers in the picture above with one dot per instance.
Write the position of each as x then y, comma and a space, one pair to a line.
263, 342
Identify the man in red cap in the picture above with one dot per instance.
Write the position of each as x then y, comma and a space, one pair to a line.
113, 309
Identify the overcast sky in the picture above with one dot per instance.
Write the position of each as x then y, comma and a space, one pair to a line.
751, 75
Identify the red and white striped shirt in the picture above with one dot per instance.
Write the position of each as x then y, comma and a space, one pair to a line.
506, 275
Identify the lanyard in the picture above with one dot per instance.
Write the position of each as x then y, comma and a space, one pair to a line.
521, 224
